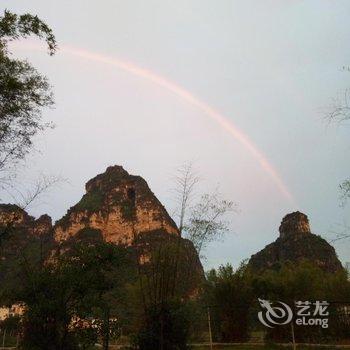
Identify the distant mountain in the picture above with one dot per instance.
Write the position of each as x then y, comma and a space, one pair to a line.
118, 208
296, 243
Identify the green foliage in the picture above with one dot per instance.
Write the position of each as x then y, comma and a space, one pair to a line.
266, 347
233, 300
206, 223
19, 251
11, 324
229, 296
64, 221
305, 281
13, 27
167, 278
166, 326
88, 235
302, 281
128, 210
73, 285
171, 267
23, 91
91, 202
84, 338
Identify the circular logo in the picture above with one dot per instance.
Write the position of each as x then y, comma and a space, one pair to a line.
274, 315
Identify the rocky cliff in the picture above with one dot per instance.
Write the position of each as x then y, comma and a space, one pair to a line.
12, 217
119, 208
18, 230
119, 205
296, 243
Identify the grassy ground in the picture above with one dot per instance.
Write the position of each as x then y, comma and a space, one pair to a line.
244, 347
10, 341
266, 347
255, 347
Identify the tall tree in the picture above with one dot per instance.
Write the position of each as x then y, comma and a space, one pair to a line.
24, 92
203, 220
229, 295
185, 181
64, 293
305, 281
206, 222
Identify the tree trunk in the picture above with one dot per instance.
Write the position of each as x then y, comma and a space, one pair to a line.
209, 329
4, 338
105, 330
293, 335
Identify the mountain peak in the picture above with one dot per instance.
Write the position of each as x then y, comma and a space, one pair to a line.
296, 243
294, 223
118, 204
112, 175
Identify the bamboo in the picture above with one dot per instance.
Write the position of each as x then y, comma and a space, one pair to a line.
209, 328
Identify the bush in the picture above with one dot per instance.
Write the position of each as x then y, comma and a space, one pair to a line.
166, 324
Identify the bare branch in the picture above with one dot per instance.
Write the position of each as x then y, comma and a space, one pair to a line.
186, 179
339, 110
42, 185
343, 232
345, 191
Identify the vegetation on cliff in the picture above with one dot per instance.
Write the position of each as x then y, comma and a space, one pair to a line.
296, 243
124, 199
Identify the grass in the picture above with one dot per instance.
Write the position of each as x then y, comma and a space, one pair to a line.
252, 347
262, 347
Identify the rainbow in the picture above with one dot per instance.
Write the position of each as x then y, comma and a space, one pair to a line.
184, 94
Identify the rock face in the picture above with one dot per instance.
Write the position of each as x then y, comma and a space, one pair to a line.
13, 217
294, 223
119, 205
18, 230
296, 243
119, 208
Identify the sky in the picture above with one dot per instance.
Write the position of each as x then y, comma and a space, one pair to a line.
215, 70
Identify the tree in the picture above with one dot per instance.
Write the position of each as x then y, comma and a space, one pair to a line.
32, 194
64, 292
305, 281
229, 296
165, 312
206, 223
339, 111
185, 181
171, 272
166, 327
23, 91
23, 94
345, 189
200, 221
